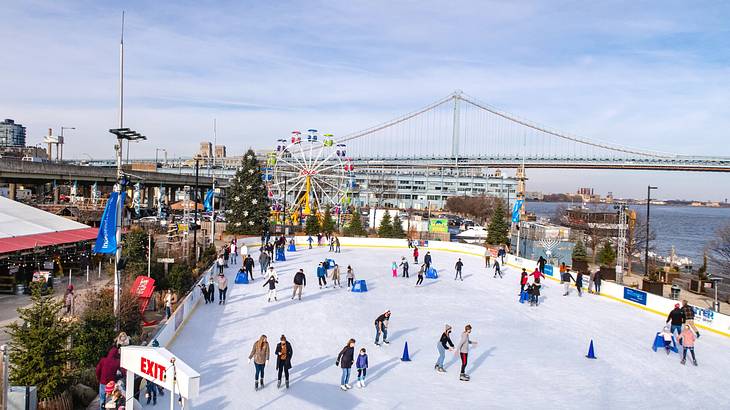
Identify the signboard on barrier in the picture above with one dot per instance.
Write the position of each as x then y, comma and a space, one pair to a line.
548, 270
635, 295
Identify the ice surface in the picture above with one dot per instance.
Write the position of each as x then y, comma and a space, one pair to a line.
527, 357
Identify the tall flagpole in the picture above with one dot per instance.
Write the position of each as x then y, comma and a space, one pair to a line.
120, 189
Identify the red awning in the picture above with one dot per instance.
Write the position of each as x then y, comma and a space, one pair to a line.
20, 243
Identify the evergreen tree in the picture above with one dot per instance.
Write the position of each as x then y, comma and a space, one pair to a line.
312, 227
328, 224
607, 256
398, 231
498, 226
579, 251
355, 228
385, 230
246, 198
38, 346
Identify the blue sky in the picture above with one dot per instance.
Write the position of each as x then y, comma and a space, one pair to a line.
646, 74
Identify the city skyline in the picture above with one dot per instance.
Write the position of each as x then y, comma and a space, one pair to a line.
652, 77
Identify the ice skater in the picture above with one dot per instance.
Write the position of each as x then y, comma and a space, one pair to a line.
248, 265
332, 244
222, 289
221, 263
523, 280
565, 279
676, 319
427, 259
283, 354
443, 345
234, 253
321, 275
362, 367
260, 355
497, 270
404, 266
689, 316
204, 291
211, 288
394, 269
541, 264
501, 253
579, 283
415, 254
310, 240
459, 265
534, 291
666, 334
271, 282
687, 340
597, 282
350, 277
381, 326
264, 261
344, 361
487, 257
421, 272
300, 281
536, 275
337, 244
463, 349
336, 277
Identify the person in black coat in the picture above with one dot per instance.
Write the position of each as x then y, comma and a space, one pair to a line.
248, 265
427, 260
444, 344
676, 318
300, 281
541, 264
597, 282
345, 360
283, 360
579, 282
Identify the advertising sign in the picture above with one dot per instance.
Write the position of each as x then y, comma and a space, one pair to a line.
106, 241
516, 210
635, 296
438, 225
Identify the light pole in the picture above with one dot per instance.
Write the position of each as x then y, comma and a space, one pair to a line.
60, 141
158, 150
646, 248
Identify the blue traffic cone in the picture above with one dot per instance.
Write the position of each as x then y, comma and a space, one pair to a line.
591, 354
405, 357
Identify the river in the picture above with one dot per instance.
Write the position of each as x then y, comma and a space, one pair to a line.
689, 229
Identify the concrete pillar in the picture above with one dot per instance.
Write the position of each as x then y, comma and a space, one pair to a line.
150, 197
12, 191
56, 191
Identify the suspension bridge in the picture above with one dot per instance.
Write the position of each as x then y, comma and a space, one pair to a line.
458, 130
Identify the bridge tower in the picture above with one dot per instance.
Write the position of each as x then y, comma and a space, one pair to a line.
455, 131
521, 178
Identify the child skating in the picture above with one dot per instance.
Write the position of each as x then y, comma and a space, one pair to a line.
362, 367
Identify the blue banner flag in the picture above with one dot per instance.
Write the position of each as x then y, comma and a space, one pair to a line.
208, 201
516, 210
106, 241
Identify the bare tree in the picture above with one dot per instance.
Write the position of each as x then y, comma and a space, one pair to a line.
480, 208
719, 251
636, 239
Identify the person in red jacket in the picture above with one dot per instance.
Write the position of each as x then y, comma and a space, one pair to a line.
106, 371
536, 275
523, 280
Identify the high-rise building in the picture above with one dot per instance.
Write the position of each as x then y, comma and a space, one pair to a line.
220, 151
206, 149
11, 134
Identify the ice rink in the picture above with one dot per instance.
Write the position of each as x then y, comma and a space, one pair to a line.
527, 357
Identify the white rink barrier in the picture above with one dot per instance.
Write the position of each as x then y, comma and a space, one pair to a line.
184, 309
704, 318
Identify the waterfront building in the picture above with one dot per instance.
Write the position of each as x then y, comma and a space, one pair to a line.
11, 134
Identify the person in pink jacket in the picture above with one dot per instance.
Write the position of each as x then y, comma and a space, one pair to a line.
687, 339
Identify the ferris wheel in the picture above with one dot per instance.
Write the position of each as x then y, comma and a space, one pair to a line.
308, 173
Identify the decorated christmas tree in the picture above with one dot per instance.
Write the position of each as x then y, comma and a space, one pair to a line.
247, 201
39, 353
498, 226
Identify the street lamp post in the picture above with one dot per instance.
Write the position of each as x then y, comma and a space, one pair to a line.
61, 142
158, 150
646, 247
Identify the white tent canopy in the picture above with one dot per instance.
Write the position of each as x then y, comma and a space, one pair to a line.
17, 219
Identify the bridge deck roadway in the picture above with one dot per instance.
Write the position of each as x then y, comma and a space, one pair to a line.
34, 172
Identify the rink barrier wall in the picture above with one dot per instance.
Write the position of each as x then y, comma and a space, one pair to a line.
704, 318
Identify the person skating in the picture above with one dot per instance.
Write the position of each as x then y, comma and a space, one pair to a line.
332, 244
381, 326
666, 334
321, 275
226, 255
427, 259
537, 275
676, 319
541, 264
404, 266
271, 283
458, 266
337, 244
234, 253
300, 281
221, 263
222, 288
249, 265
591, 281
415, 254
394, 269
211, 288
283, 354
310, 240
350, 277
362, 367
260, 355
443, 345
336, 276
565, 279
487, 257
534, 291
463, 349
264, 261
204, 291
497, 270
687, 340
579, 283
689, 316
409, 243
523, 280
597, 282
344, 361
319, 239
501, 253
421, 272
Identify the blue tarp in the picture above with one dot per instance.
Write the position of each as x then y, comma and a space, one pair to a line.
432, 273
360, 286
241, 277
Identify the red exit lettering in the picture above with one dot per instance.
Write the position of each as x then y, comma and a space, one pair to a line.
152, 369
